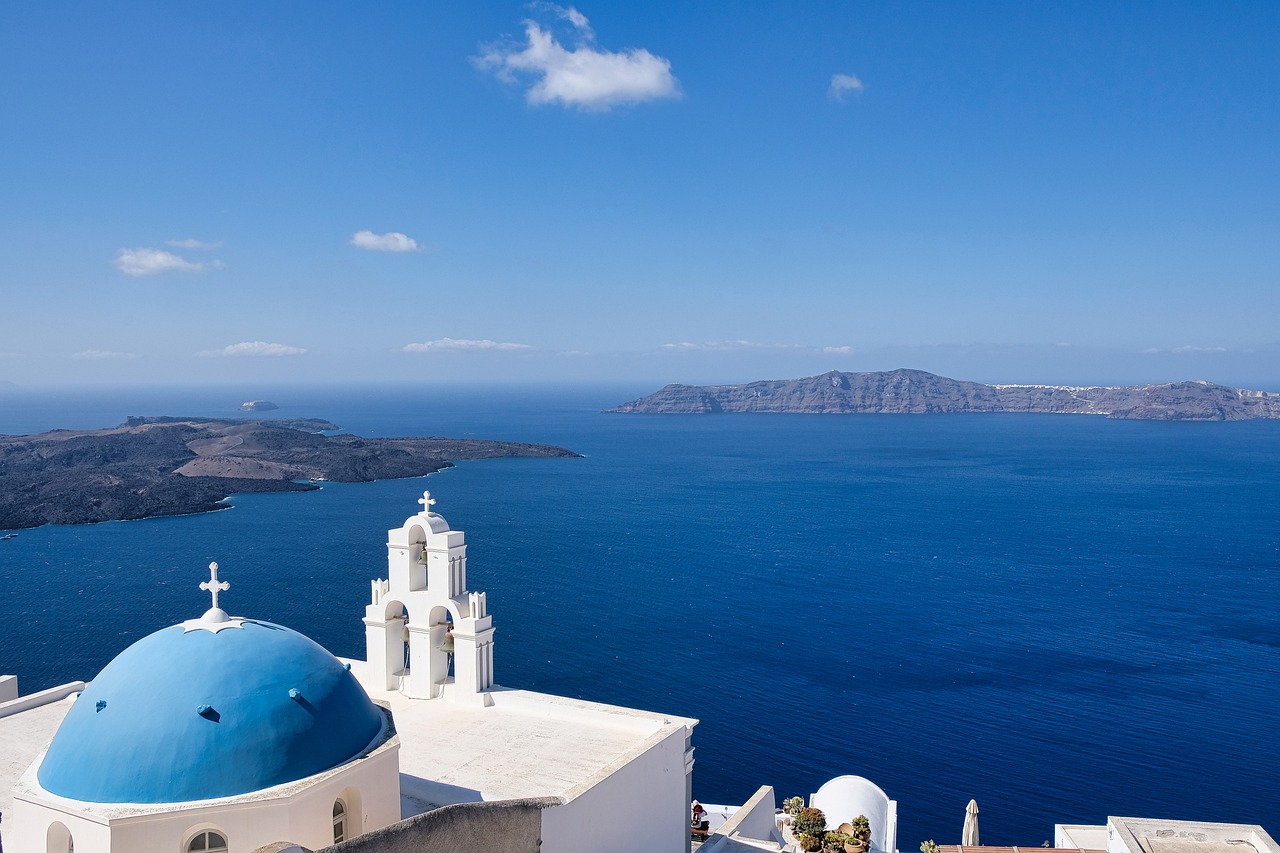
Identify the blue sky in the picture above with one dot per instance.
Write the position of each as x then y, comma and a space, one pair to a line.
701, 192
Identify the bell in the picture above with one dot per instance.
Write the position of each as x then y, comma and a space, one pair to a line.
447, 645
422, 557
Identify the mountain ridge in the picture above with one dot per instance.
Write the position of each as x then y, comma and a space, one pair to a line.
907, 391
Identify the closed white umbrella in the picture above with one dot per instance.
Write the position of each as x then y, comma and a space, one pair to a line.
969, 837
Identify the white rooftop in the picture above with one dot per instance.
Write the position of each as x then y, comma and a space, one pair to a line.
1145, 835
23, 736
525, 745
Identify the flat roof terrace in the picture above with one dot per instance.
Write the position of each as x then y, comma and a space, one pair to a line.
1188, 836
525, 744
24, 734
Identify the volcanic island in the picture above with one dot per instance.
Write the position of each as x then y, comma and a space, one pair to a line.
157, 466
906, 391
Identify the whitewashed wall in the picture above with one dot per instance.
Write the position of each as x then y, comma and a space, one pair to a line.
845, 797
301, 812
641, 807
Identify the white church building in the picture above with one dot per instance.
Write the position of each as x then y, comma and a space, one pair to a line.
226, 734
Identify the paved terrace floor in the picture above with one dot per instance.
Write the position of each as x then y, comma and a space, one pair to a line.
23, 736
525, 745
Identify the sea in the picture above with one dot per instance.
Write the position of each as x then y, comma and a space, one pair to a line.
1062, 617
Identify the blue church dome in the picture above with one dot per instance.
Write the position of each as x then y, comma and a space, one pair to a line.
196, 714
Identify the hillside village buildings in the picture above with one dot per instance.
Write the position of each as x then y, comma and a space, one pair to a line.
225, 734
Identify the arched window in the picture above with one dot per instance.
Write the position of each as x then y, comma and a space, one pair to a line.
207, 842
404, 636
339, 821
59, 840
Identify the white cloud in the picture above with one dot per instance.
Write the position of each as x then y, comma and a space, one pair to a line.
733, 346
392, 241
842, 85
1184, 350
722, 346
576, 18
101, 355
255, 348
192, 243
140, 262
463, 344
584, 76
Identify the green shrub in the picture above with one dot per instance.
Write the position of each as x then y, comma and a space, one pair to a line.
810, 843
810, 821
929, 846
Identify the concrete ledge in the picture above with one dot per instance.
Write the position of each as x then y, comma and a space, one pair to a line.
43, 697
500, 826
752, 826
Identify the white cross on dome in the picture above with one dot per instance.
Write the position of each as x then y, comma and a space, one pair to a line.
213, 585
215, 618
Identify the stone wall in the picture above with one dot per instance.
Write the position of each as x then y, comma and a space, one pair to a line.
502, 826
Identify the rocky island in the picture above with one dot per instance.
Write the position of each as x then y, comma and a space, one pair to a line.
258, 406
917, 392
153, 466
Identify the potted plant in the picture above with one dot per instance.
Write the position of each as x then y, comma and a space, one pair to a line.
851, 843
792, 805
810, 843
861, 829
811, 822
839, 842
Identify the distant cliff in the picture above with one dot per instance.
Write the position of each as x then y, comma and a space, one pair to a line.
173, 466
917, 392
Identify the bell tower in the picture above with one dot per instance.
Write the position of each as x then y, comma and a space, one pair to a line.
423, 619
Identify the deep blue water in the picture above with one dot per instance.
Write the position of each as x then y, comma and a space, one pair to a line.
1063, 617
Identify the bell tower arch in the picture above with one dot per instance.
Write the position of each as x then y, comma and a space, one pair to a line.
424, 604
